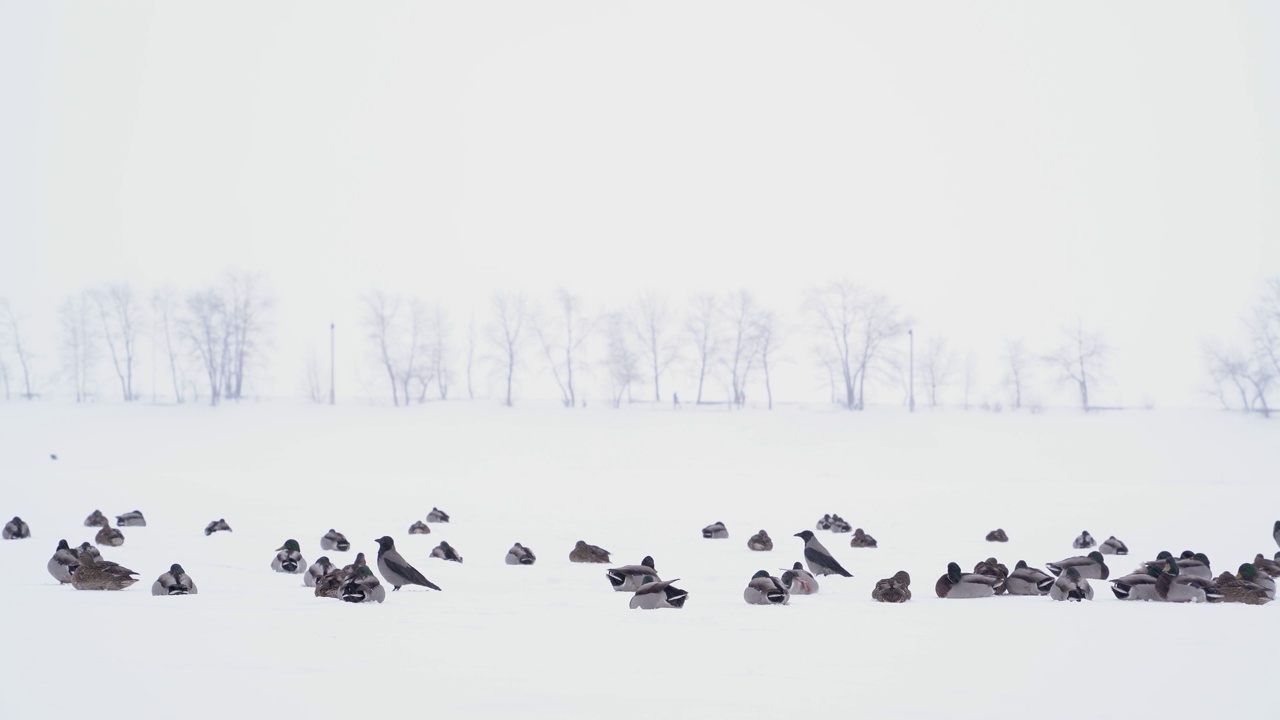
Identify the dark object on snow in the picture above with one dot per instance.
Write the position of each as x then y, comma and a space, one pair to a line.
997, 535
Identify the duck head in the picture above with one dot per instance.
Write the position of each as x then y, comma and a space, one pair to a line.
290, 545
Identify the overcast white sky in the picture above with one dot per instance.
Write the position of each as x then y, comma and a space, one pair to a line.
999, 169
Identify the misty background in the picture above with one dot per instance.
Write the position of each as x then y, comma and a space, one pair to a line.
997, 171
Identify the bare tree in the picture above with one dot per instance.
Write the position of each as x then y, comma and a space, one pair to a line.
510, 312
1241, 375
164, 311
398, 329
970, 376
20, 349
1264, 327
1017, 364
562, 338
740, 315
413, 364
703, 326
247, 317
471, 355
937, 365
767, 340
121, 317
857, 324
205, 327
4, 379
440, 353
78, 344
379, 320
315, 388
621, 359
651, 321
1080, 360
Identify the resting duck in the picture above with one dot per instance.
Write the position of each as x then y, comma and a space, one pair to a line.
174, 582
95, 519
1112, 546
363, 587
288, 558
321, 567
131, 519
839, 524
219, 525
861, 540
445, 551
334, 540
1070, 586
95, 573
16, 529
584, 553
630, 578
764, 589
419, 528
1026, 580
996, 569
715, 531
1173, 586
1083, 540
959, 585
997, 535
1092, 566
1237, 590
659, 594
63, 563
437, 516
760, 542
520, 555
896, 589
109, 536
799, 581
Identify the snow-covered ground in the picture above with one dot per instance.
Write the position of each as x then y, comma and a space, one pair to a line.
552, 640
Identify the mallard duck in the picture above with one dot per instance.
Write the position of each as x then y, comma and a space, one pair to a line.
1249, 573
1270, 567
445, 551
659, 594
760, 542
363, 587
996, 569
321, 567
1189, 565
960, 585
359, 562
520, 555
437, 516
1173, 586
1236, 590
997, 535
861, 540
819, 558
1112, 546
109, 536
95, 519
1139, 585
330, 586
839, 524
174, 582
219, 525
715, 531
132, 518
764, 589
63, 563
396, 570
419, 528
630, 578
16, 529
86, 547
1026, 580
1070, 586
824, 523
334, 540
896, 589
584, 553
1083, 540
799, 581
1092, 566
95, 573
288, 558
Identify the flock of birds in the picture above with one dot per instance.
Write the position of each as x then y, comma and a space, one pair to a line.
1185, 578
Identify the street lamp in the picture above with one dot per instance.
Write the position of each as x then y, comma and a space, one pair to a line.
911, 373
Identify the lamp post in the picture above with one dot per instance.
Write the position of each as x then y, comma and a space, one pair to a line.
332, 371
911, 372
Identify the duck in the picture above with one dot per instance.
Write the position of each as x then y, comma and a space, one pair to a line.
896, 589
108, 535
419, 528
219, 525
839, 524
288, 558
799, 581
1189, 564
764, 589
824, 523
997, 535
1139, 585
630, 578
132, 518
363, 587
1237, 590
437, 516
1070, 586
445, 551
321, 567
1173, 586
330, 586
63, 563
715, 531
1112, 546
1092, 566
861, 540
334, 540
16, 529
1270, 567
584, 553
95, 519
996, 569
760, 542
959, 585
659, 594
95, 573
359, 562
520, 555
1026, 580
1083, 540
86, 547
1249, 573
174, 582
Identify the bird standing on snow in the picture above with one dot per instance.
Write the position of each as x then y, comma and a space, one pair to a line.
445, 551
657, 595
715, 531
818, 557
520, 555
131, 519
764, 589
760, 542
896, 589
584, 553
363, 587
1112, 546
63, 563
219, 525
95, 573
799, 581
16, 529
958, 585
1070, 586
395, 569
334, 540
288, 558
1026, 580
630, 578
174, 582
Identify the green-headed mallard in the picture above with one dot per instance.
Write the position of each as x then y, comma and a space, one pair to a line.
363, 587
109, 536
445, 551
996, 569
1139, 585
288, 558
95, 573
896, 589
334, 540
1026, 580
219, 525
1249, 573
584, 553
133, 518
799, 581
997, 535
95, 519
63, 563
16, 529
659, 594
960, 585
520, 555
1092, 566
359, 562
630, 578
419, 528
437, 516
1070, 586
321, 567
819, 558
760, 542
861, 540
1173, 586
396, 570
764, 589
715, 531
1237, 590
1112, 546
174, 582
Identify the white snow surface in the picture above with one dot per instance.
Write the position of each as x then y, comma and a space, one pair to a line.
553, 640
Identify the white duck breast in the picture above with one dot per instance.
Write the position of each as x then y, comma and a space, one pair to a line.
630, 578
659, 595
